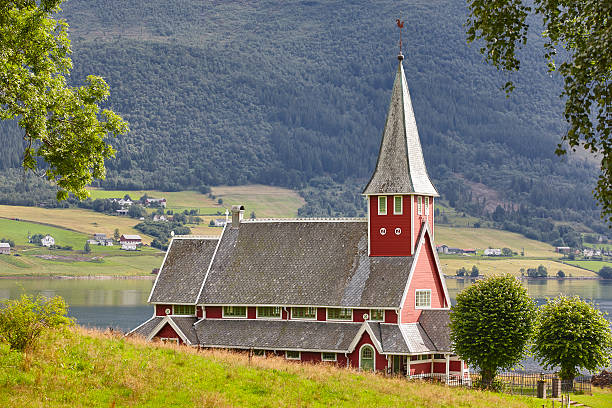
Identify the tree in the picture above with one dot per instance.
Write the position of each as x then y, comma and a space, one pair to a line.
63, 125
571, 334
462, 271
116, 234
474, 272
506, 252
24, 319
491, 324
582, 29
87, 247
605, 272
560, 274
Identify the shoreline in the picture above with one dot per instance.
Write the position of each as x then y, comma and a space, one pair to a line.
528, 279
88, 277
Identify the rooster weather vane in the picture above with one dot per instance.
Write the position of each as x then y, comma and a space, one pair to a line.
400, 25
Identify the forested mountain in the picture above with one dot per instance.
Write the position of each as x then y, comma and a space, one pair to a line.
294, 93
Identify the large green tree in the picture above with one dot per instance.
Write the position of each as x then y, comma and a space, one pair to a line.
582, 30
491, 324
571, 335
63, 125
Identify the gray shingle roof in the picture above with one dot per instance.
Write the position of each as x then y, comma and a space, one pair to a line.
185, 324
276, 335
183, 271
303, 263
400, 167
390, 337
435, 323
145, 329
416, 339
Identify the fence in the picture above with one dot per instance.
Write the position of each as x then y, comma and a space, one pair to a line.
514, 382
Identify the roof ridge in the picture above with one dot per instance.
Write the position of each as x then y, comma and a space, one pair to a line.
320, 219
195, 236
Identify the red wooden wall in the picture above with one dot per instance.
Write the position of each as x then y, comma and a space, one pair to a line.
390, 244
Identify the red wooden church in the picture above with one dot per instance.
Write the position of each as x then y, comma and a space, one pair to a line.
368, 294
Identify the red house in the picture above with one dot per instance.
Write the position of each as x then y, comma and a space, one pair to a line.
368, 294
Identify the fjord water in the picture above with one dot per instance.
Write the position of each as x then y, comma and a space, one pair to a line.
122, 303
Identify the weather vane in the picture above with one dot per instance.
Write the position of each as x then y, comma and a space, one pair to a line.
400, 25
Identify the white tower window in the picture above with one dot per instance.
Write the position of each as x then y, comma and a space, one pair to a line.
382, 205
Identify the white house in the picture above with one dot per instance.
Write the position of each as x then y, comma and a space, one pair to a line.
492, 252
47, 241
5, 248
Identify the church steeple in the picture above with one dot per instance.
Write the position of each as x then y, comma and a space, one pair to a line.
400, 168
400, 194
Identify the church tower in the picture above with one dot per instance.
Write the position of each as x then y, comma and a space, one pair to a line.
400, 195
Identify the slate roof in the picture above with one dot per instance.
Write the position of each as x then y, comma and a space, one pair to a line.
435, 322
183, 271
5, 245
400, 167
276, 335
323, 263
145, 329
390, 337
416, 338
186, 325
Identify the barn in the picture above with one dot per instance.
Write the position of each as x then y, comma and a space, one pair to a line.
363, 293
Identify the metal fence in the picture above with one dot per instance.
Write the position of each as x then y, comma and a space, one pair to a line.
514, 382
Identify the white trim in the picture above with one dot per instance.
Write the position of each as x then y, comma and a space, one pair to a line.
401, 211
168, 319
415, 299
142, 324
386, 205
212, 259
173, 303
417, 253
290, 305
299, 357
426, 204
290, 314
321, 219
433, 217
365, 328
373, 355
280, 316
419, 205
161, 268
328, 360
412, 233
412, 193
338, 320
246, 312
369, 217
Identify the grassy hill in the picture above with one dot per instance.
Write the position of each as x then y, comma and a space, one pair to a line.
87, 368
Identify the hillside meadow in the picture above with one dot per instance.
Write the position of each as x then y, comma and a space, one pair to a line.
511, 266
86, 368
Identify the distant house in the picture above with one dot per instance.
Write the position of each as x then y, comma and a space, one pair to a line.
122, 201
130, 242
442, 249
47, 241
5, 248
219, 222
155, 201
159, 217
122, 211
100, 239
492, 252
563, 250
452, 250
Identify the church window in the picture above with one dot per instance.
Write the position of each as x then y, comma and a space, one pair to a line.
184, 310
383, 231
420, 205
292, 355
422, 298
234, 311
397, 205
328, 357
303, 312
377, 314
339, 314
169, 340
269, 312
382, 205
426, 205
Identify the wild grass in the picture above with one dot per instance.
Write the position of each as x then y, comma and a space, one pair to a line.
601, 398
265, 201
510, 265
87, 368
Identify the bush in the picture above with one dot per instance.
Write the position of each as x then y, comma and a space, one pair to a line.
561, 274
605, 272
23, 320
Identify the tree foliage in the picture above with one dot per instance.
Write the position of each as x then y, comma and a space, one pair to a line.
491, 324
23, 320
572, 334
63, 124
583, 31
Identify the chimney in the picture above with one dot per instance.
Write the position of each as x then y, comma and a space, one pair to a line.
237, 215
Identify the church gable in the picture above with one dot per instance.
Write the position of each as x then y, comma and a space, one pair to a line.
426, 288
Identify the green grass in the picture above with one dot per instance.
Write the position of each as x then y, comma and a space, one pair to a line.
488, 266
91, 369
18, 232
594, 266
266, 201
601, 398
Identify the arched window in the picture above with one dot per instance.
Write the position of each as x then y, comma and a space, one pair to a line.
366, 358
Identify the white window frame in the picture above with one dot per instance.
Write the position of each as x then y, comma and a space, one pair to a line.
420, 205
326, 359
379, 210
299, 357
401, 209
169, 340
246, 312
304, 318
416, 298
338, 320
426, 205
195, 310
280, 315
377, 320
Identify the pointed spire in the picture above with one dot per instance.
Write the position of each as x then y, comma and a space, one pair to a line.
400, 168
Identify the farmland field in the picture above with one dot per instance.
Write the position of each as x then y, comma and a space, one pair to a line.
481, 238
594, 266
509, 265
18, 232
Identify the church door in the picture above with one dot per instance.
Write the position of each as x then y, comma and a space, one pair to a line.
366, 358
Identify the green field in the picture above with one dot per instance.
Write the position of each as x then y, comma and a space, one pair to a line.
18, 232
91, 369
594, 266
512, 266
